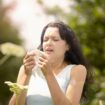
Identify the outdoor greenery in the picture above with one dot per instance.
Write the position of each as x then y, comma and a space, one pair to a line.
9, 69
87, 19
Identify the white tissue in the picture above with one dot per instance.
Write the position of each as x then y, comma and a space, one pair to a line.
36, 70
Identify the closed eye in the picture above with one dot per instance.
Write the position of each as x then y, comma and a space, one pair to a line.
56, 39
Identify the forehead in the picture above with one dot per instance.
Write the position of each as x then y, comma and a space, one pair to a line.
52, 31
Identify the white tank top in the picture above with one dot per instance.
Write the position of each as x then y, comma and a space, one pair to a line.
38, 91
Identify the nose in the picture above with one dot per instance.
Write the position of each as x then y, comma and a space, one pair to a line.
49, 42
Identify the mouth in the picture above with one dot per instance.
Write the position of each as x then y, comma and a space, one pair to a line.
49, 50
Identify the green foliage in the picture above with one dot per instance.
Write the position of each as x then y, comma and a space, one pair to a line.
9, 70
89, 26
7, 31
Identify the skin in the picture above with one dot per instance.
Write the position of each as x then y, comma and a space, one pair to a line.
54, 48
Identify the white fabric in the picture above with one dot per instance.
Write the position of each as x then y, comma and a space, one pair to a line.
38, 91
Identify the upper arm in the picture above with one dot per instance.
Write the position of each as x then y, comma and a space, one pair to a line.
74, 90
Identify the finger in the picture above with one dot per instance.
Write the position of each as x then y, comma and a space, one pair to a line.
29, 63
29, 54
29, 66
29, 59
44, 56
42, 64
41, 59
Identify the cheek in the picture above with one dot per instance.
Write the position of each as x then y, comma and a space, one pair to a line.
62, 46
60, 50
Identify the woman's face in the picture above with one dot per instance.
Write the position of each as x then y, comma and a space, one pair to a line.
53, 45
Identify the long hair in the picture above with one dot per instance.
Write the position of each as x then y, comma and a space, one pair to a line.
74, 55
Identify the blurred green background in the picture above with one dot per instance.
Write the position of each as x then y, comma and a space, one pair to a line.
87, 19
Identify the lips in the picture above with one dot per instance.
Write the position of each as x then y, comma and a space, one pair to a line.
49, 50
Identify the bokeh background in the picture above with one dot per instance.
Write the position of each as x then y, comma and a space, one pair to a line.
21, 22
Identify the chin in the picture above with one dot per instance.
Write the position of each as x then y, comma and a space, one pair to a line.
50, 58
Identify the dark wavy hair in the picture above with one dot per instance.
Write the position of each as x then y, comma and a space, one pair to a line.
74, 55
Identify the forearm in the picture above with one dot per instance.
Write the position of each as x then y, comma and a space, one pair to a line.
59, 98
21, 99
24, 80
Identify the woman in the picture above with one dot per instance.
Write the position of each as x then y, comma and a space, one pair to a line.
62, 65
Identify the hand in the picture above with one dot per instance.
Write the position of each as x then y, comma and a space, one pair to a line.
29, 62
44, 64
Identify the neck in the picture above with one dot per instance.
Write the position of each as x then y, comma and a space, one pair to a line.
58, 66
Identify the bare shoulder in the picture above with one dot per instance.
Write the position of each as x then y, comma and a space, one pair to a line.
79, 69
79, 72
